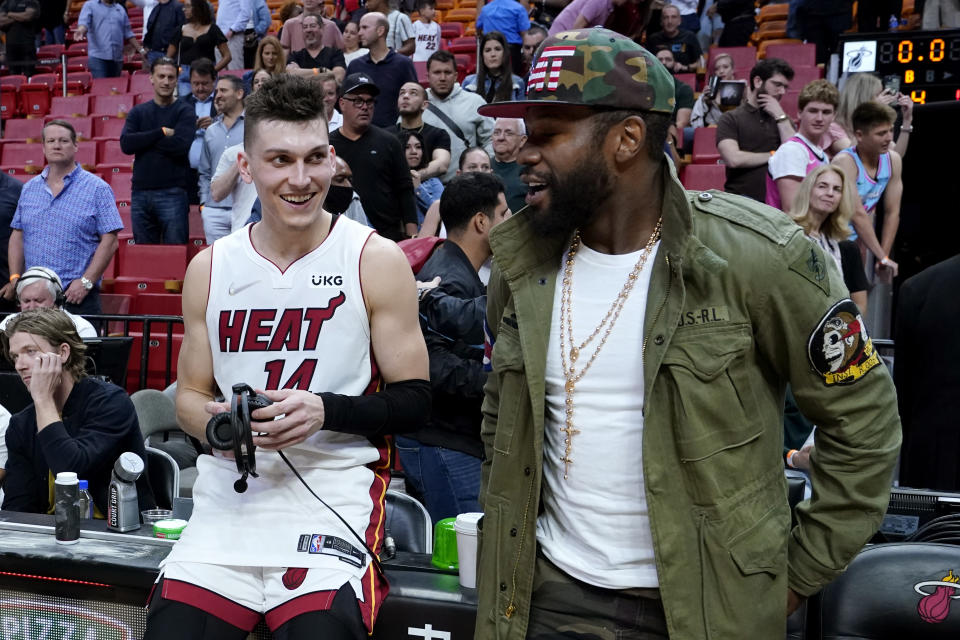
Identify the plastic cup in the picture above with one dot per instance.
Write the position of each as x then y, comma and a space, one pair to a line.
444, 545
155, 515
466, 528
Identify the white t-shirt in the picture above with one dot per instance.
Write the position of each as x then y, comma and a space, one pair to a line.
4, 423
594, 525
427, 38
244, 195
792, 158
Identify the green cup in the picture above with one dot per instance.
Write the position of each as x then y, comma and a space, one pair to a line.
445, 545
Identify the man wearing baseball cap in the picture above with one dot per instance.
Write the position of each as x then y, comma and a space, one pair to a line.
381, 176
641, 339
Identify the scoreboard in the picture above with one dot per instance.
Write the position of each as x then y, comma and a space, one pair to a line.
926, 62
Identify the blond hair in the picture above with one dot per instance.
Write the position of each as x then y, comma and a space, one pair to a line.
836, 226
54, 326
860, 88
281, 64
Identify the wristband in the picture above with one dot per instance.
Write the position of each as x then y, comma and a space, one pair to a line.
790, 455
908, 129
14, 276
885, 261
780, 118
316, 71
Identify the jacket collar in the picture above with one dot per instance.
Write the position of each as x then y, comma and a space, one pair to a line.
517, 250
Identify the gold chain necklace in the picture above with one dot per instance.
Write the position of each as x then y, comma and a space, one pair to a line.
570, 374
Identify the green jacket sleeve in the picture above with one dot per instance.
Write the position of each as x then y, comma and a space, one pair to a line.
816, 339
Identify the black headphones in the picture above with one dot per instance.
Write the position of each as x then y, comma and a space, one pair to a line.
42, 273
231, 431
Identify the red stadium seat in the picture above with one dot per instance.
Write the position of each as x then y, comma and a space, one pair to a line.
464, 45
69, 107
743, 59
465, 65
164, 261
804, 75
49, 79
87, 155
76, 49
451, 30
143, 97
107, 128
83, 126
112, 106
700, 177
121, 185
12, 81
28, 130
796, 55
9, 102
689, 79
160, 304
79, 64
109, 86
140, 83
35, 100
50, 52
113, 159
789, 103
156, 357
20, 158
705, 146
83, 77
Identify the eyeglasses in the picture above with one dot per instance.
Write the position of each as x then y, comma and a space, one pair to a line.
505, 133
360, 103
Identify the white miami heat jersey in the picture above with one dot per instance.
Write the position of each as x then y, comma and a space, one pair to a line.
305, 327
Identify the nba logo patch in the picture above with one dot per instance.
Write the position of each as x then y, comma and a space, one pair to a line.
316, 543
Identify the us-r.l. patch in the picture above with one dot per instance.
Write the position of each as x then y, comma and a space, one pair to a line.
704, 315
839, 348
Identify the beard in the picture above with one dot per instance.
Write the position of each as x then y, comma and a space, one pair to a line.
574, 197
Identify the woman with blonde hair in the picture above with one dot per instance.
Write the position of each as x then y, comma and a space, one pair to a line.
860, 88
823, 207
270, 57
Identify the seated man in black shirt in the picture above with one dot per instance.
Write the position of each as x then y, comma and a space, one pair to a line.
76, 423
315, 58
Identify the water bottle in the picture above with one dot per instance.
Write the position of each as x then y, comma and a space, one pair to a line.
85, 501
123, 512
66, 510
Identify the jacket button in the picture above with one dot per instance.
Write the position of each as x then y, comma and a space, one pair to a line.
513, 532
503, 586
526, 471
705, 197
658, 340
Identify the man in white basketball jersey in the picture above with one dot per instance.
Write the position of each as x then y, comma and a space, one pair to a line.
321, 312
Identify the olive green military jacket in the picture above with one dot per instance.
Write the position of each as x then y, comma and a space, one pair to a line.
740, 303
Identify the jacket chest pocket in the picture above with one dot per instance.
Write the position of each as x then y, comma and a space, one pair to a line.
511, 376
715, 412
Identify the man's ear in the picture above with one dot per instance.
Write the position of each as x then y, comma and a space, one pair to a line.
631, 139
480, 222
243, 166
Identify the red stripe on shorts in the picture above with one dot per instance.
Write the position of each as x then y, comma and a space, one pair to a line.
316, 601
213, 603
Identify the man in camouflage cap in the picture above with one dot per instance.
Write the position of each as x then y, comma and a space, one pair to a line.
641, 339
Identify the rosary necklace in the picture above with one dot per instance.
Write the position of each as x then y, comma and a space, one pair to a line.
568, 358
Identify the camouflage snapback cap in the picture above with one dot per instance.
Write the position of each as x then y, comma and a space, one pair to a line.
595, 68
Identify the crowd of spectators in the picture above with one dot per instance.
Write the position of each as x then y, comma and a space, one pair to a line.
403, 118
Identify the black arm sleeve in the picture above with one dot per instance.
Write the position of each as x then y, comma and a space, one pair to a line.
400, 408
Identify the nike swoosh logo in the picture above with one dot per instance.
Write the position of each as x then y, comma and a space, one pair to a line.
234, 290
